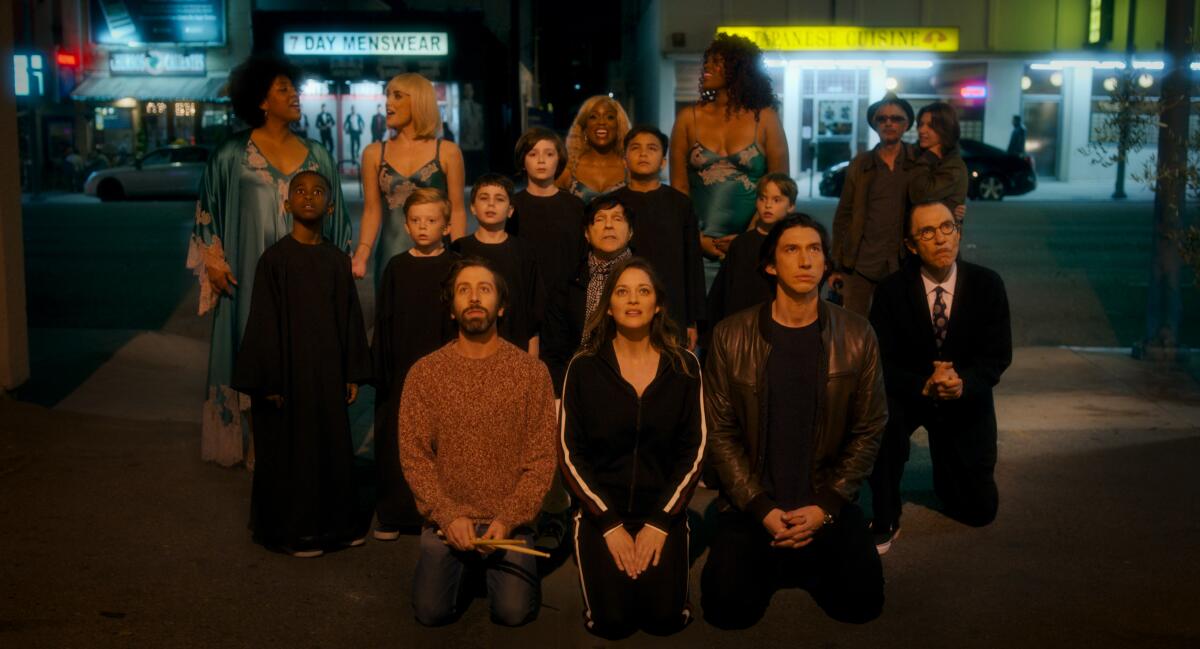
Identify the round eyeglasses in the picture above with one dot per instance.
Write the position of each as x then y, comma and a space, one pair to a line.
947, 228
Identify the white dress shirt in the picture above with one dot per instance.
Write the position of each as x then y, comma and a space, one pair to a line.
947, 287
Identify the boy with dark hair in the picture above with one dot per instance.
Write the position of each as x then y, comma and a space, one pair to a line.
740, 283
410, 322
302, 358
669, 234
513, 257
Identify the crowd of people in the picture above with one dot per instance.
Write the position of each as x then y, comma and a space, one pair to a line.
570, 372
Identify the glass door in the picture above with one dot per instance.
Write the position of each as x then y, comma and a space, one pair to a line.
1041, 117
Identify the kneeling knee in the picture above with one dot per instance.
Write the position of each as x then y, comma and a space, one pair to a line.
513, 613
428, 615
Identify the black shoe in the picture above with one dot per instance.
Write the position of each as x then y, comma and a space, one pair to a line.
550, 531
884, 536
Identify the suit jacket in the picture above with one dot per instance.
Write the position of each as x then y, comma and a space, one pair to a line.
978, 338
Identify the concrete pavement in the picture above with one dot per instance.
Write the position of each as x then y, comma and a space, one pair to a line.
115, 534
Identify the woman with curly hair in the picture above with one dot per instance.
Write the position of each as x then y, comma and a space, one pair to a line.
595, 149
240, 213
723, 144
392, 169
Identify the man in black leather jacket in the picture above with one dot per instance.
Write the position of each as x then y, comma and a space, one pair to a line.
795, 399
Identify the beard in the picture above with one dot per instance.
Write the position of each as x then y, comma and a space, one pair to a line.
475, 324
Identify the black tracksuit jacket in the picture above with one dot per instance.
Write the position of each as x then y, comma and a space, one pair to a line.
631, 459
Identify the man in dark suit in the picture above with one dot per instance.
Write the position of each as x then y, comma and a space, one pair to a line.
945, 339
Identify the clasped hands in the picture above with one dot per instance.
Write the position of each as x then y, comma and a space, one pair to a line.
944, 383
794, 529
635, 555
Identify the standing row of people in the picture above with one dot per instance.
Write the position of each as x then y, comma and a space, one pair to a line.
470, 459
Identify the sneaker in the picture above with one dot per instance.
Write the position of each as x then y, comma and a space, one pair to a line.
884, 536
305, 554
386, 533
355, 543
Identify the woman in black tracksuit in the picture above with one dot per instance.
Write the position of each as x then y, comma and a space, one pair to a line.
632, 439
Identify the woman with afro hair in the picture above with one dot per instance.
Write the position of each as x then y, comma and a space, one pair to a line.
240, 213
723, 144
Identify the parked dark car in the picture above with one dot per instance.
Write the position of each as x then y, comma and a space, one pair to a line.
993, 172
172, 171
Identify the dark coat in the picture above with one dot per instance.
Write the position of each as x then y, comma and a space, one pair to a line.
978, 340
851, 408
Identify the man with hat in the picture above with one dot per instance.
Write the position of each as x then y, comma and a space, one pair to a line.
868, 227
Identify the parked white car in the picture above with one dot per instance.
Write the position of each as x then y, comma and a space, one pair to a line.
172, 171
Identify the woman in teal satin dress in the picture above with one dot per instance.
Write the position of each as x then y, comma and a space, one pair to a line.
722, 145
596, 149
413, 157
240, 214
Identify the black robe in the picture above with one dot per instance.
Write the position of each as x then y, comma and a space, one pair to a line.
304, 341
515, 259
410, 322
739, 285
554, 226
667, 235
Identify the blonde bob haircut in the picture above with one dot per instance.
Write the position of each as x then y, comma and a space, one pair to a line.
427, 196
577, 142
426, 119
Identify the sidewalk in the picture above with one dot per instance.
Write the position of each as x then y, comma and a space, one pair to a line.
118, 535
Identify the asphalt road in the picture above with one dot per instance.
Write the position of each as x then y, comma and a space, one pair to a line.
116, 534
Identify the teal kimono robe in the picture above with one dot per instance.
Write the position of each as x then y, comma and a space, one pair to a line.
240, 214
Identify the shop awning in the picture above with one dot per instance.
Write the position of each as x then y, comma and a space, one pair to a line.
151, 88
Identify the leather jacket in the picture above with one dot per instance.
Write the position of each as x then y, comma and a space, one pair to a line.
850, 418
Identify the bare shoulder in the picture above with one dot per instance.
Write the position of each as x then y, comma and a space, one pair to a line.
450, 151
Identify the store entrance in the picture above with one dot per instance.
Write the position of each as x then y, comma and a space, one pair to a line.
1041, 117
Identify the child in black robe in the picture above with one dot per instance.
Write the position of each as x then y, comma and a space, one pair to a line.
511, 256
410, 322
668, 232
547, 217
739, 283
301, 360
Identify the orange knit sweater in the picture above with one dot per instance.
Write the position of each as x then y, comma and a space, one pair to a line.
477, 436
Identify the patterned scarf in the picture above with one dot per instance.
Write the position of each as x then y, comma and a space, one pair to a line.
598, 271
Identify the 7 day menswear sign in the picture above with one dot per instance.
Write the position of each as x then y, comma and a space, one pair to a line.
911, 39
366, 44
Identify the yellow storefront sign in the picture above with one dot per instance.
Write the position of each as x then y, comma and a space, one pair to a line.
907, 39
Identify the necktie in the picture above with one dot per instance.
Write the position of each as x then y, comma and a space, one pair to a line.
939, 317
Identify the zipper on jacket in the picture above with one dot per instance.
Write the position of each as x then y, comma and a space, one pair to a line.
637, 438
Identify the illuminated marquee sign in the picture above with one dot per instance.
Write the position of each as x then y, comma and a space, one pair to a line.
907, 39
366, 43
155, 62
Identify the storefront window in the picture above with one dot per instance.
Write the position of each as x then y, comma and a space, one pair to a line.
1105, 125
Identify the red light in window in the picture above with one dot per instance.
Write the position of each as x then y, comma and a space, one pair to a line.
66, 59
973, 92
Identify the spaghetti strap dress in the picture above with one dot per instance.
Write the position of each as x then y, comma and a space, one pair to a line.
396, 188
722, 191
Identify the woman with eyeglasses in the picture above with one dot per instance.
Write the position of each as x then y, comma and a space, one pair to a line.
939, 173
